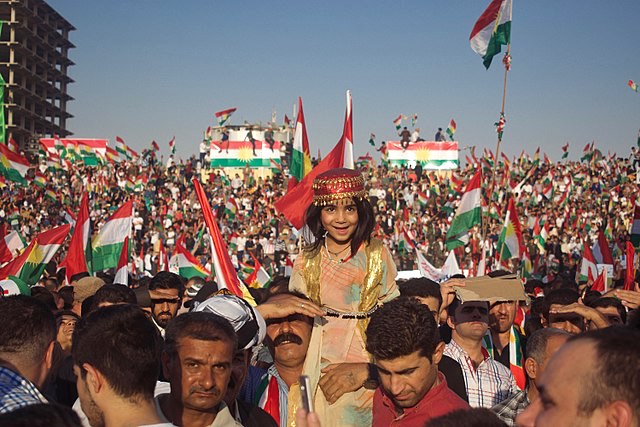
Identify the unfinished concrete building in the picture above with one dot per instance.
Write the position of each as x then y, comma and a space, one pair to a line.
34, 62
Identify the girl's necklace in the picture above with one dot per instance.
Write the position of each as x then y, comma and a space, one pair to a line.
335, 254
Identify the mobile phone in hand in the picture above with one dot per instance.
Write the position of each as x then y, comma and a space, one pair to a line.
305, 392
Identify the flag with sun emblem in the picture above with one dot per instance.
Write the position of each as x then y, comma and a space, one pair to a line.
241, 149
441, 155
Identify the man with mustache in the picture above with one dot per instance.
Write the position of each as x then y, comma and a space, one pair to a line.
288, 341
197, 360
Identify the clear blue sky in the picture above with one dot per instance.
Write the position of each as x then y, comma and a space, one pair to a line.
148, 70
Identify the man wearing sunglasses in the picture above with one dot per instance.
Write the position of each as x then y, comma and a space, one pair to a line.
486, 382
165, 290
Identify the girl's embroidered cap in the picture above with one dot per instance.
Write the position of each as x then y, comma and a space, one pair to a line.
337, 185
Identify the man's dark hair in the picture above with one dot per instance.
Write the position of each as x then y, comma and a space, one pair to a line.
366, 223
114, 294
604, 302
43, 294
537, 343
121, 343
422, 288
615, 375
28, 328
401, 327
199, 325
474, 417
167, 280
562, 296
66, 293
41, 415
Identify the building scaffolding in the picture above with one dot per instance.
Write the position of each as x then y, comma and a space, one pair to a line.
34, 62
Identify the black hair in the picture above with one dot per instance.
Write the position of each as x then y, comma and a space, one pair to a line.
401, 327
421, 287
41, 415
561, 296
66, 293
537, 343
114, 294
610, 302
43, 294
121, 343
78, 276
474, 417
28, 327
364, 229
167, 280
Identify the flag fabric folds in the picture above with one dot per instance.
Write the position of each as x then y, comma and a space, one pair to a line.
79, 253
107, 245
223, 116
468, 214
13, 165
30, 265
588, 268
122, 270
294, 204
188, 265
226, 275
492, 30
451, 130
510, 240
300, 156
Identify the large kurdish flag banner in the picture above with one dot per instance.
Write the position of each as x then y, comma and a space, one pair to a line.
89, 151
240, 151
108, 243
441, 155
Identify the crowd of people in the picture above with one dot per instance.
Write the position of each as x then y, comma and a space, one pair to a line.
169, 350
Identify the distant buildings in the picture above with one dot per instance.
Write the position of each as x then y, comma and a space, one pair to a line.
34, 62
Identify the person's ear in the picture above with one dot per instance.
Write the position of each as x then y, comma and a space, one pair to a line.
437, 354
618, 413
451, 322
531, 368
94, 379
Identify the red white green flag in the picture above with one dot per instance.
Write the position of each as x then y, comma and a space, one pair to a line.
468, 214
122, 270
300, 156
30, 265
492, 30
510, 240
223, 116
13, 165
588, 269
188, 265
107, 245
451, 130
78, 257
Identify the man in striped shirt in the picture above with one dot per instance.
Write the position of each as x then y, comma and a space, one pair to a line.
487, 382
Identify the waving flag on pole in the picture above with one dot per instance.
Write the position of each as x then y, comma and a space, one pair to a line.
347, 134
30, 265
601, 250
633, 85
600, 284
226, 275
13, 165
510, 240
78, 257
107, 245
398, 122
294, 204
468, 214
300, 156
492, 30
635, 226
122, 270
172, 145
188, 265
630, 273
223, 116
451, 130
588, 268
565, 151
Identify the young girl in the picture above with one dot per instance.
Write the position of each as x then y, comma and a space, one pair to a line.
349, 275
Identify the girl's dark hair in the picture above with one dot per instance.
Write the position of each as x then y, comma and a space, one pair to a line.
364, 229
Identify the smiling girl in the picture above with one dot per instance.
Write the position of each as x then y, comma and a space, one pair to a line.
349, 275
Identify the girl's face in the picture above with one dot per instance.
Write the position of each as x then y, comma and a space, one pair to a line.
340, 221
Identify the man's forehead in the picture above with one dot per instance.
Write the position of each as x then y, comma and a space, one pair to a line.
163, 293
190, 347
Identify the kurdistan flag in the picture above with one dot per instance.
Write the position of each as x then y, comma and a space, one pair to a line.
468, 214
13, 286
240, 152
440, 155
122, 270
107, 245
635, 227
30, 265
300, 156
510, 240
588, 268
492, 30
13, 165
188, 265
